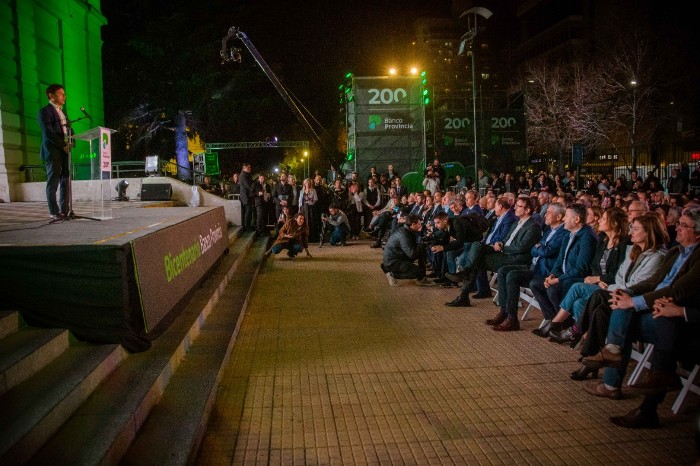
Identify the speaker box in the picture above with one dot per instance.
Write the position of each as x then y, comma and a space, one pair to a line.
156, 192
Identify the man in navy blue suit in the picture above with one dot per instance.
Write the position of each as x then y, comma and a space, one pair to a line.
54, 122
572, 266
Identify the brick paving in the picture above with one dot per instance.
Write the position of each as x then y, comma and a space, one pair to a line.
333, 366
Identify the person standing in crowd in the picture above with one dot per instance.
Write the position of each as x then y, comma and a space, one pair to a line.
674, 184
261, 197
308, 205
246, 183
54, 151
282, 194
431, 182
354, 203
439, 172
391, 173
234, 186
372, 200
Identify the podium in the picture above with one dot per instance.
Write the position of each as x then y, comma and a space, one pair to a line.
100, 183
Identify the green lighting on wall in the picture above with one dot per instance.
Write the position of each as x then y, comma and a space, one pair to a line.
61, 42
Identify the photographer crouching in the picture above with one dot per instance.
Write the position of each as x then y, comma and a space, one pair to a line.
402, 250
293, 236
339, 222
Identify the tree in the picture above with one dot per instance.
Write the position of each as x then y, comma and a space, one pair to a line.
556, 104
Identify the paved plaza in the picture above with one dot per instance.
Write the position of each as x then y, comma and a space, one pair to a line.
333, 366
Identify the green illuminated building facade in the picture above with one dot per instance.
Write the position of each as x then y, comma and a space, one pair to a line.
45, 41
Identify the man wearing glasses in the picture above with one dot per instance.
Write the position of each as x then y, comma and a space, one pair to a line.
515, 249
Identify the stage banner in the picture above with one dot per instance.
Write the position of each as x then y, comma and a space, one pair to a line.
499, 133
389, 123
106, 149
170, 262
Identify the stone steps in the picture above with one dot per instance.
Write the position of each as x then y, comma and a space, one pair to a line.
68, 402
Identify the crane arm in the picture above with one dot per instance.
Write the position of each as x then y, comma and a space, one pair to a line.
233, 54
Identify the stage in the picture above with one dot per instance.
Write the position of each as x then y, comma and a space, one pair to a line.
108, 281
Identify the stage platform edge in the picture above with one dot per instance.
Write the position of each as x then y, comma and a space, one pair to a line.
111, 281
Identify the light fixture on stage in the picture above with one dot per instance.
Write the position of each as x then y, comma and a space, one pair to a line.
121, 190
151, 165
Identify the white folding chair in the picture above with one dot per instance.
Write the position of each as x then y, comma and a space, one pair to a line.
643, 361
691, 383
527, 296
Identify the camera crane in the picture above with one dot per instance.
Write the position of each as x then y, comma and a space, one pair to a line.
233, 54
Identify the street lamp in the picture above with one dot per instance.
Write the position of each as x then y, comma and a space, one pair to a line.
472, 14
307, 173
633, 83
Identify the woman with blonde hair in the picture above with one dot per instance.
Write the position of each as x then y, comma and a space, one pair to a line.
308, 198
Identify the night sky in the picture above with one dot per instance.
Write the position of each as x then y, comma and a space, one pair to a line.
310, 45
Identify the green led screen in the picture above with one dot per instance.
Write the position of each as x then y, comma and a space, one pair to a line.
387, 123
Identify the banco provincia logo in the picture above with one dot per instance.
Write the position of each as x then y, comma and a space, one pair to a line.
375, 122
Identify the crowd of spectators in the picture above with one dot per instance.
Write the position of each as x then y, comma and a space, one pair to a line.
608, 264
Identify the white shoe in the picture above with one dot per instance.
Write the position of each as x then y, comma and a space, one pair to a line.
392, 280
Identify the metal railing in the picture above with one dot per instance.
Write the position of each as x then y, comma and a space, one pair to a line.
122, 169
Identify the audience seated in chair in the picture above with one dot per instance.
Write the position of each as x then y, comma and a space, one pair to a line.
573, 264
512, 277
630, 310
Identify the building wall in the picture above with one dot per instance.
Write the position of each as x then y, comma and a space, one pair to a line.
44, 42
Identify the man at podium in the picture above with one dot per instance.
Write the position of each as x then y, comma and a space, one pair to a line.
54, 151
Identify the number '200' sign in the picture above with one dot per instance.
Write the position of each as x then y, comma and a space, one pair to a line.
387, 96
496, 122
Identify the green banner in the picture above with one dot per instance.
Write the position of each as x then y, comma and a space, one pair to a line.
211, 163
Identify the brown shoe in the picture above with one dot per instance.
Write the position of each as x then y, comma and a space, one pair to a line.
509, 325
656, 382
604, 358
635, 419
497, 320
598, 389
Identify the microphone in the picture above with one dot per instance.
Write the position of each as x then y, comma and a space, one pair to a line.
82, 109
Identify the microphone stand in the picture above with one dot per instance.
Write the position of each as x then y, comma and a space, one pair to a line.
70, 215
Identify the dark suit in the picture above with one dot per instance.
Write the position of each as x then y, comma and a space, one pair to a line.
401, 191
517, 252
577, 262
246, 183
512, 277
55, 157
495, 234
547, 252
261, 205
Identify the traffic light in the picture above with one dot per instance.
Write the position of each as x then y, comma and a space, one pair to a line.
350, 156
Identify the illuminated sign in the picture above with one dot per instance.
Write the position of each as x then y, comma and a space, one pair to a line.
170, 261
